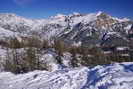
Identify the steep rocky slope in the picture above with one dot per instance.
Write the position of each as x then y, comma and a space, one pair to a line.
94, 28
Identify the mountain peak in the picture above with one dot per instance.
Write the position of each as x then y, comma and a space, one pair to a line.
58, 16
99, 13
103, 15
76, 14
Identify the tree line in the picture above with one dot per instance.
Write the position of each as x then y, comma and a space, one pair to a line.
29, 58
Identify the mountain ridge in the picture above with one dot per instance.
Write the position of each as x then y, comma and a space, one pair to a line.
71, 28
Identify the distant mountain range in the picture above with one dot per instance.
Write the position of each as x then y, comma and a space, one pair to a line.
86, 29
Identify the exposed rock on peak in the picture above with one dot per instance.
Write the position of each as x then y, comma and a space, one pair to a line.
85, 28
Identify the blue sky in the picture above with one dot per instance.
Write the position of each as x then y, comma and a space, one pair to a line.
46, 8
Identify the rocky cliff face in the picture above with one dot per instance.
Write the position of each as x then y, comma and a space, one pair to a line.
88, 29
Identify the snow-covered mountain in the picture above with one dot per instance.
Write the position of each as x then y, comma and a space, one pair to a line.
76, 29
93, 28
114, 76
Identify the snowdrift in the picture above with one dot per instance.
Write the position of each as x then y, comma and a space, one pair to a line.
113, 76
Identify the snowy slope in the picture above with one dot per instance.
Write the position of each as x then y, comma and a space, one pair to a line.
6, 33
72, 28
114, 76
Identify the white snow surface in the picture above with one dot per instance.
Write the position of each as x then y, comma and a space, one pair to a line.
5, 33
48, 28
86, 18
113, 76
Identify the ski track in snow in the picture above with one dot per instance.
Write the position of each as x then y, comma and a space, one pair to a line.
113, 76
